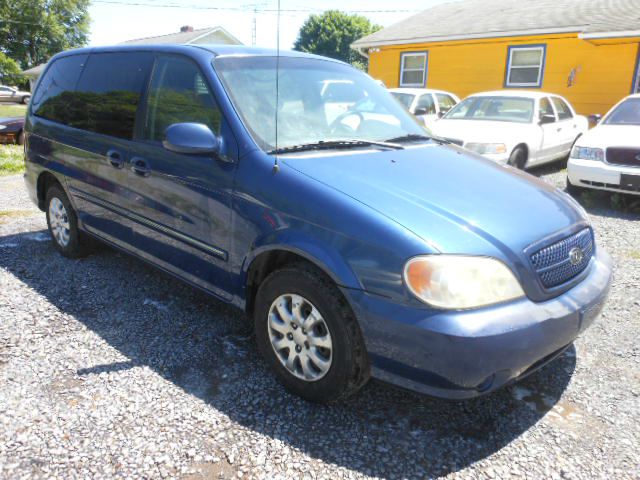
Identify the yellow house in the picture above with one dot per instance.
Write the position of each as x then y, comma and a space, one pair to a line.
585, 50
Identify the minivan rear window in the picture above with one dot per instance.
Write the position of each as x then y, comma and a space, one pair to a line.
108, 93
56, 87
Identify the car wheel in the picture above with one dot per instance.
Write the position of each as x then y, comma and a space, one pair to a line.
309, 336
26, 99
573, 190
63, 224
20, 139
518, 158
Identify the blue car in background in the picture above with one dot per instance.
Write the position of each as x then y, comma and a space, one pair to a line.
359, 245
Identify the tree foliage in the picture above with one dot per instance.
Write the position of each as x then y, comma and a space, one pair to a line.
9, 71
32, 31
332, 33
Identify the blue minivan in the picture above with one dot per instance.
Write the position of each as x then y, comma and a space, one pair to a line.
296, 188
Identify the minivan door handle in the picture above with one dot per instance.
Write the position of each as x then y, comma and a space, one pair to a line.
115, 158
140, 166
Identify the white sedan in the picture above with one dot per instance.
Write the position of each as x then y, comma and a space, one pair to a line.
520, 128
426, 104
608, 157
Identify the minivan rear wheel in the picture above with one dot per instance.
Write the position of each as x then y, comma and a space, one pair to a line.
308, 335
63, 224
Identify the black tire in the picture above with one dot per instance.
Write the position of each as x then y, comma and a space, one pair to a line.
349, 369
78, 245
20, 139
25, 99
518, 158
573, 190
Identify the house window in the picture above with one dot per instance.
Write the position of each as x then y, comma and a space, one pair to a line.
413, 69
525, 66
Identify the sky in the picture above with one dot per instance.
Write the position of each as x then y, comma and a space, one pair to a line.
114, 21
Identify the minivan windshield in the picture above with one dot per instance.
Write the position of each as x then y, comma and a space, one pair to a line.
627, 113
404, 98
318, 101
494, 109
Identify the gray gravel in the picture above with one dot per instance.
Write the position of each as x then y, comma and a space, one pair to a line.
109, 368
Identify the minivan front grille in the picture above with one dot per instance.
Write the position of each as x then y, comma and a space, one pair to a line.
623, 156
559, 262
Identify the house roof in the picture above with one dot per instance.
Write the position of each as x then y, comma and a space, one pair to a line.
500, 18
181, 38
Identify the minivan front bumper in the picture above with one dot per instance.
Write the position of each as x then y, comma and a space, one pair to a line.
464, 354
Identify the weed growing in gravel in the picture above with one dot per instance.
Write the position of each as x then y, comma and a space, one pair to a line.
11, 159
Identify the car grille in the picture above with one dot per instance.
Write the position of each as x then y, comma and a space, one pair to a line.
455, 141
553, 263
623, 156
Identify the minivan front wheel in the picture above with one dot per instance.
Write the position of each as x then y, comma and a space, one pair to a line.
309, 336
63, 224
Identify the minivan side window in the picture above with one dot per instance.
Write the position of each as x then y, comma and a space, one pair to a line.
108, 93
54, 92
178, 93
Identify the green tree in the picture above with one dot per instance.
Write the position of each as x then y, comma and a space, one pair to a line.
32, 31
332, 33
9, 71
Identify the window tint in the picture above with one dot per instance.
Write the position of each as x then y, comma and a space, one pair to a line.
498, 109
108, 93
178, 93
426, 102
413, 69
564, 112
627, 113
52, 98
525, 66
545, 108
445, 101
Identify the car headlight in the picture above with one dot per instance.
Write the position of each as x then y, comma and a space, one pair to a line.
2, 127
487, 148
587, 153
460, 282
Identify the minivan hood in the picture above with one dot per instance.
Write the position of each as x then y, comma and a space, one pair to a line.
457, 202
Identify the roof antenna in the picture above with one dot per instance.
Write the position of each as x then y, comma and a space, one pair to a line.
276, 167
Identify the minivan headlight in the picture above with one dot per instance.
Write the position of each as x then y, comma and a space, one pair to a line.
487, 148
587, 153
460, 282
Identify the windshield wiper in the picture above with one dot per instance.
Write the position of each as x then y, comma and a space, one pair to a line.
333, 144
412, 137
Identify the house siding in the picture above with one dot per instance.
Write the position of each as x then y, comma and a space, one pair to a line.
604, 71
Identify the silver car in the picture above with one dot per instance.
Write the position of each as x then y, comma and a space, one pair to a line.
12, 94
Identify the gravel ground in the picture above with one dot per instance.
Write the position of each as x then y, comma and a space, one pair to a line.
109, 368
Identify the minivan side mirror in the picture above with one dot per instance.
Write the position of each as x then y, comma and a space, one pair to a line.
546, 119
420, 111
442, 112
192, 139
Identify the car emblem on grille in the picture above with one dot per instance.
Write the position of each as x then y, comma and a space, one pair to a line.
576, 255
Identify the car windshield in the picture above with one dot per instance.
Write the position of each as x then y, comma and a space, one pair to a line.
627, 113
318, 101
495, 109
405, 99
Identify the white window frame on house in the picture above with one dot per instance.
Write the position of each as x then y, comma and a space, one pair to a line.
540, 66
403, 57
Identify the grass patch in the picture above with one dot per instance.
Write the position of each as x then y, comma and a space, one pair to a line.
635, 254
7, 215
12, 110
11, 159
